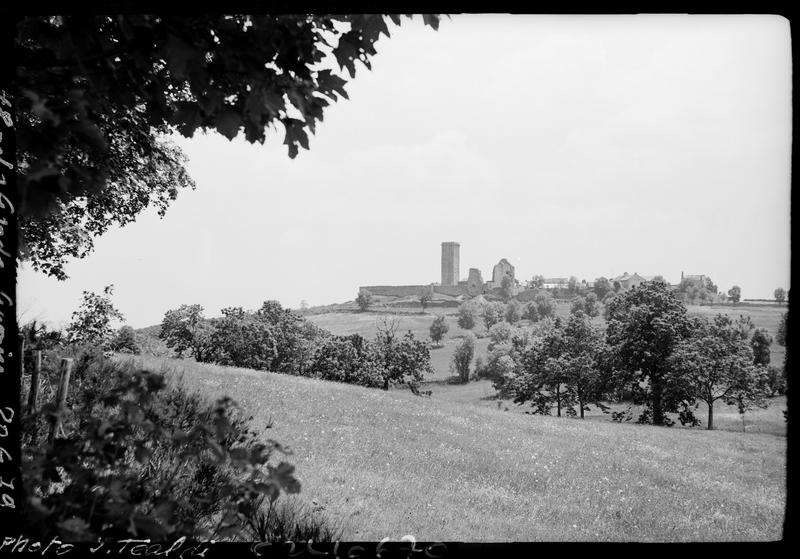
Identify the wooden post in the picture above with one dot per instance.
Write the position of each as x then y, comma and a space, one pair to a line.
61, 396
33, 394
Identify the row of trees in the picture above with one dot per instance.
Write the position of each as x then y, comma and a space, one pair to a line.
651, 353
279, 340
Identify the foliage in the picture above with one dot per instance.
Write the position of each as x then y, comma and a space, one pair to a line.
537, 282
96, 94
186, 329
492, 313
545, 305
125, 341
602, 286
561, 367
760, 343
91, 323
531, 311
645, 324
716, 363
506, 288
439, 328
400, 360
462, 356
735, 293
239, 339
288, 520
500, 333
425, 298
143, 461
780, 294
513, 311
364, 300
348, 359
271, 338
467, 315
775, 380
780, 335
38, 336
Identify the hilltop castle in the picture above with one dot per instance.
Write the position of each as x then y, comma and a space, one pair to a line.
451, 286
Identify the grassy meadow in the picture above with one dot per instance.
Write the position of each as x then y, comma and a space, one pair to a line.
385, 464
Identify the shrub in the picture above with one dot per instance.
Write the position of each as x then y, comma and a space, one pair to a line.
513, 311
462, 357
531, 311
439, 328
364, 300
125, 341
492, 312
467, 315
145, 461
500, 333
347, 359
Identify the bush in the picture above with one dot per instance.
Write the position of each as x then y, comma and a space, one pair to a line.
145, 461
125, 341
467, 315
289, 520
500, 333
493, 312
347, 359
513, 311
439, 328
462, 357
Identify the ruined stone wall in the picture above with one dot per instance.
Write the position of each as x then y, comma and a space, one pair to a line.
452, 290
395, 290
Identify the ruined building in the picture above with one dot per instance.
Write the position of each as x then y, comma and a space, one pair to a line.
451, 286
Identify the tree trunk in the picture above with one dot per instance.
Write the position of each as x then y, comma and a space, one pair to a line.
386, 384
710, 416
558, 400
580, 403
655, 388
33, 395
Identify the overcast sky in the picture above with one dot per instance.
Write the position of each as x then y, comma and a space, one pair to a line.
570, 145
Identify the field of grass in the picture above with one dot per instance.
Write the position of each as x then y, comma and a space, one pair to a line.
385, 464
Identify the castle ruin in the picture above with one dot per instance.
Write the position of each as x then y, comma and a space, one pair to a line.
451, 286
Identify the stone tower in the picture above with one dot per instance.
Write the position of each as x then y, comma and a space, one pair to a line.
450, 263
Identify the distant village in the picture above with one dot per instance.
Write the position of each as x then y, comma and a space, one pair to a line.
503, 279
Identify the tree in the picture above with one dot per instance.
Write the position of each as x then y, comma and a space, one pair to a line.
591, 307
531, 311
492, 312
780, 335
572, 285
186, 329
364, 300
125, 341
780, 295
581, 361
545, 305
439, 328
735, 293
499, 333
602, 286
403, 359
660, 279
513, 311
467, 315
716, 363
462, 357
645, 324
240, 339
91, 323
760, 343
425, 297
506, 288
541, 381
97, 94
710, 286
537, 282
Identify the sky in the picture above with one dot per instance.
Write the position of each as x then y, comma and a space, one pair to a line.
569, 145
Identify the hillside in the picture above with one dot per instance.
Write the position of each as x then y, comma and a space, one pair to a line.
386, 464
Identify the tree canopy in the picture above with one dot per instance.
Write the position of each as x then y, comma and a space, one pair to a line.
97, 95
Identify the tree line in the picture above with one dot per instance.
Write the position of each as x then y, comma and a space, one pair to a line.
651, 353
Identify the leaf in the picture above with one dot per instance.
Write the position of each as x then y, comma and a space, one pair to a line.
178, 55
330, 84
346, 52
228, 123
283, 476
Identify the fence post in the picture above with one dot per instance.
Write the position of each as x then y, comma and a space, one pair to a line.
33, 394
61, 396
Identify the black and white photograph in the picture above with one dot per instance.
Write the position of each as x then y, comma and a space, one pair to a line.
474, 277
